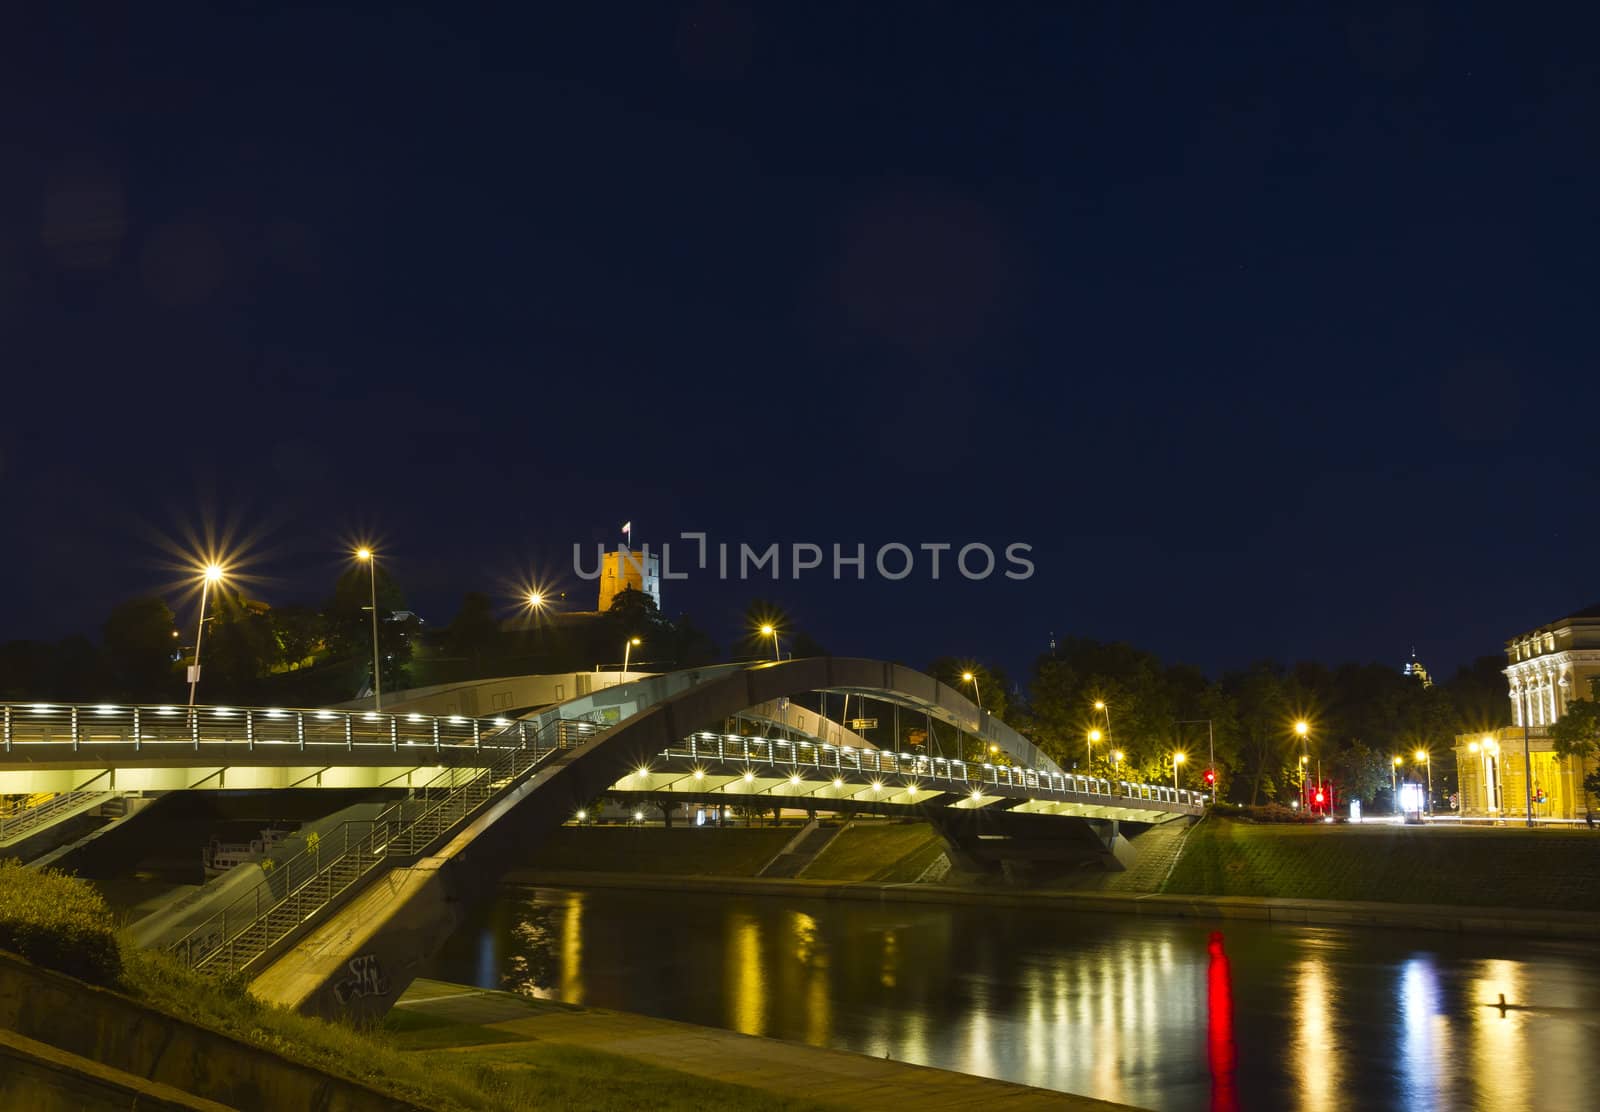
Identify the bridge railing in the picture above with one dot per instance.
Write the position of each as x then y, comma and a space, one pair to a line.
41, 729
21, 821
294, 891
796, 754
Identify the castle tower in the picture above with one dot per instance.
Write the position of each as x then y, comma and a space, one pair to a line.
624, 569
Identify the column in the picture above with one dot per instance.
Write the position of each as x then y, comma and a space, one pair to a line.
1516, 702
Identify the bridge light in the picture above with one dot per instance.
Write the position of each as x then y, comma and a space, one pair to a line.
976, 795
877, 785
749, 776
641, 772
699, 774
582, 815
794, 778
638, 816
838, 783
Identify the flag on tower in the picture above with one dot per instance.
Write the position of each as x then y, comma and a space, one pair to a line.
627, 529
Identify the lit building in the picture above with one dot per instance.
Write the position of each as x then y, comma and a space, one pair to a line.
1546, 669
1415, 669
624, 570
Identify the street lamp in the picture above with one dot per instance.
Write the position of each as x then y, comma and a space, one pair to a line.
627, 651
1302, 730
212, 573
535, 600
772, 632
1177, 759
1422, 758
1093, 738
1100, 705
366, 556
969, 677
1394, 785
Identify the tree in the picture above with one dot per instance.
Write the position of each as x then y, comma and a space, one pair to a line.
140, 646
300, 632
474, 630
1362, 772
239, 647
1576, 734
349, 623
1262, 710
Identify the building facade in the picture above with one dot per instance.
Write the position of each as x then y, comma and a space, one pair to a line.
624, 570
1502, 770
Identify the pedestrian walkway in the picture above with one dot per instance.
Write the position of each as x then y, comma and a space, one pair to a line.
833, 1077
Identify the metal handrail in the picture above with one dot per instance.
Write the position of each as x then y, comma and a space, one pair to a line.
29, 817
307, 880
824, 756
92, 726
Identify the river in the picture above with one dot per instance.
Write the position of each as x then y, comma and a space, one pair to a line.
1160, 1013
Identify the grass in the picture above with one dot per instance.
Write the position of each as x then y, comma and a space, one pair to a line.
58, 921
888, 853
677, 851
1545, 869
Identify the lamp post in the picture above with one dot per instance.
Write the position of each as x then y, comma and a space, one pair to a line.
1177, 759
535, 600
1302, 730
1394, 785
772, 632
627, 651
1211, 741
1091, 738
977, 692
366, 556
212, 574
1100, 705
1422, 758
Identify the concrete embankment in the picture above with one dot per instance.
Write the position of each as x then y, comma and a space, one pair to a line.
833, 1078
91, 1025
1341, 913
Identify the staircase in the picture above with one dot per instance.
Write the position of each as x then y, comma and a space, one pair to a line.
30, 820
306, 887
801, 850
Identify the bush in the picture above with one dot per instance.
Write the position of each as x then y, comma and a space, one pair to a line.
58, 921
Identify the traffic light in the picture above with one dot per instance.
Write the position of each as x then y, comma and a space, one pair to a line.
1211, 777
1317, 799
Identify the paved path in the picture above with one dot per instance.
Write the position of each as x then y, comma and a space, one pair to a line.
830, 1076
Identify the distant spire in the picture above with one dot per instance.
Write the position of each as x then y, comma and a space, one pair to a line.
1052, 640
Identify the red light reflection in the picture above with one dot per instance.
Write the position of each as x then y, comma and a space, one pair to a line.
1219, 1030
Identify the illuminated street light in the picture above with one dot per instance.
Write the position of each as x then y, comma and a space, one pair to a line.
1421, 756
535, 600
1101, 706
771, 631
1177, 759
583, 815
366, 556
211, 573
1394, 784
977, 692
1093, 740
627, 651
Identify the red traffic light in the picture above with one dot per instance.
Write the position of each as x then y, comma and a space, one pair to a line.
1318, 797
1211, 776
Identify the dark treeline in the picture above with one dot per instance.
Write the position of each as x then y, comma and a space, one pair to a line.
1360, 715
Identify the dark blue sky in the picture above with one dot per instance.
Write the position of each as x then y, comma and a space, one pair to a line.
1270, 331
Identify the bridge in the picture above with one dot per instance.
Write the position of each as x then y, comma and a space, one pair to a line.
457, 796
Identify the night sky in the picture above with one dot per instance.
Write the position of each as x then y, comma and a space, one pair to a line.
1272, 332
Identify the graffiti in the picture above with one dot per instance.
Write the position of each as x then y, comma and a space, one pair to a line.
366, 979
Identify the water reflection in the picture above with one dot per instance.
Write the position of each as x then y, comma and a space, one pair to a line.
1161, 1014
1220, 1055
1317, 1054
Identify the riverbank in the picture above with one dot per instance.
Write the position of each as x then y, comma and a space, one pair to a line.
503, 1031
1341, 913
